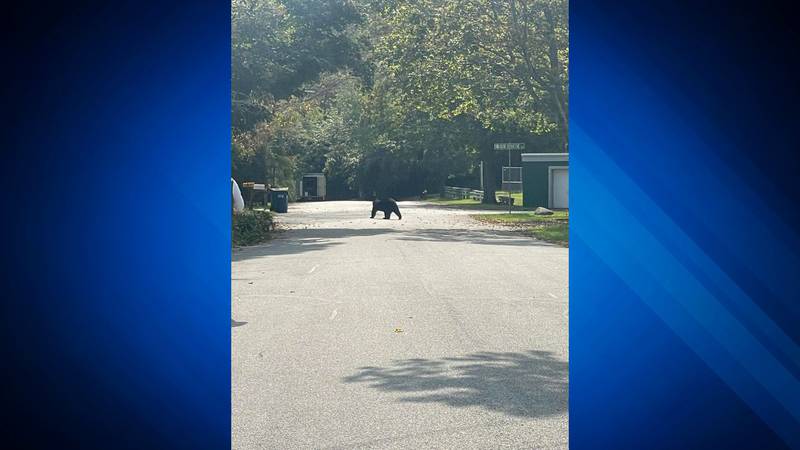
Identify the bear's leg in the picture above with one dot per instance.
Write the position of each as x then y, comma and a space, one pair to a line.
374, 211
397, 211
387, 214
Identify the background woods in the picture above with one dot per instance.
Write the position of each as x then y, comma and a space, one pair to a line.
392, 97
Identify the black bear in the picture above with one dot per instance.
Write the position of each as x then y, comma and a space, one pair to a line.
388, 206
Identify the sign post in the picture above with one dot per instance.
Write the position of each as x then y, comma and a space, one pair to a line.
512, 182
481, 175
512, 176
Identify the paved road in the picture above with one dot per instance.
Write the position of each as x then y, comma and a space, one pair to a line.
427, 332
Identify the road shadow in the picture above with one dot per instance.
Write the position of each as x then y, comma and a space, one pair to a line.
235, 324
528, 384
489, 237
294, 241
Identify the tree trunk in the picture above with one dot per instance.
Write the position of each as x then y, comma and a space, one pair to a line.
489, 173
563, 121
555, 78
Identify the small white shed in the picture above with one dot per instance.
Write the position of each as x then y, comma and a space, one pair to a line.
311, 187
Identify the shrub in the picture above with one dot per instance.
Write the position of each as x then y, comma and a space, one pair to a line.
251, 227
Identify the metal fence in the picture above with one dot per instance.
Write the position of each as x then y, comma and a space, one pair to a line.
459, 193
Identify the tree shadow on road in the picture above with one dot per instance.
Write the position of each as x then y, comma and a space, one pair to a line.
290, 242
491, 237
529, 384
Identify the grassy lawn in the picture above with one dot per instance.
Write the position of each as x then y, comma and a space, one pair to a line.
469, 203
554, 228
557, 233
451, 202
517, 196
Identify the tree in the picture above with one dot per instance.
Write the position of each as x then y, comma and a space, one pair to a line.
394, 96
493, 65
279, 45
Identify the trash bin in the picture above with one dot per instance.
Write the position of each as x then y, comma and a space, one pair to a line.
279, 200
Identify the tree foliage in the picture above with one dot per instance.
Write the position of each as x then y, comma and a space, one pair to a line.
390, 97
278, 45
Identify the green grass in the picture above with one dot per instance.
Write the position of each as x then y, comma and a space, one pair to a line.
469, 203
553, 228
523, 217
452, 202
517, 196
557, 233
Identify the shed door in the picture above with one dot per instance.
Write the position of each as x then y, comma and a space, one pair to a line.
560, 188
321, 187
309, 186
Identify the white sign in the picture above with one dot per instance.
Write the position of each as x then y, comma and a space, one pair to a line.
512, 174
512, 179
510, 146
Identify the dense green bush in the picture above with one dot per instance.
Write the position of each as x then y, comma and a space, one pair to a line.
251, 227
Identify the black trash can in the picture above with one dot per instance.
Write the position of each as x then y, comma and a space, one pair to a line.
279, 200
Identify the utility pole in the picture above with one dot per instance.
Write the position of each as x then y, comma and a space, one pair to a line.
510, 198
481, 175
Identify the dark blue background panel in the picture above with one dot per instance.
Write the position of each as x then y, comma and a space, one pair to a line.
115, 180
685, 251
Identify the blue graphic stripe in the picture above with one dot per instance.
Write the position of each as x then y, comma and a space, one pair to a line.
645, 263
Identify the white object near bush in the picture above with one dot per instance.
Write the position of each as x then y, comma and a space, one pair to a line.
238, 201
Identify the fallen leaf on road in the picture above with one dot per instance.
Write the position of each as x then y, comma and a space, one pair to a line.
398, 330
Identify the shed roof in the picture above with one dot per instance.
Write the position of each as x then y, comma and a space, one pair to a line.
544, 157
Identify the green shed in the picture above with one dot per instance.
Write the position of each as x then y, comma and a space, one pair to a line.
545, 180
